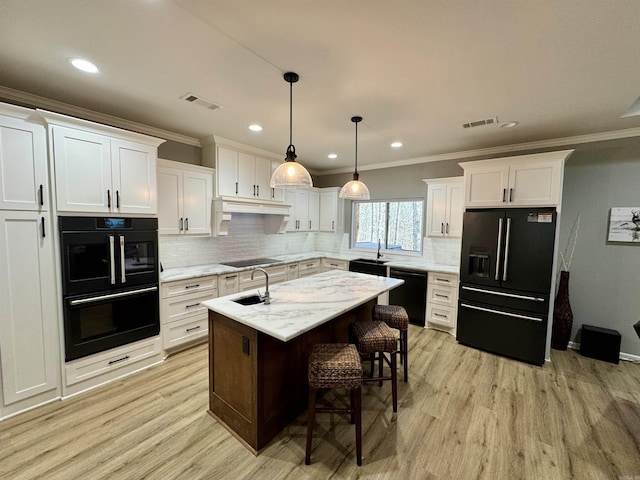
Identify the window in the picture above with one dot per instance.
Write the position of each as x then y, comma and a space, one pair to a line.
396, 225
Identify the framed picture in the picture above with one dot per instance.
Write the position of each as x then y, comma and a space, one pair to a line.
624, 225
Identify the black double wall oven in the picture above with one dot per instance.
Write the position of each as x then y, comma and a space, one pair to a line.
110, 282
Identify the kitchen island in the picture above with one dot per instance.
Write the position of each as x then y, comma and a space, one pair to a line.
258, 353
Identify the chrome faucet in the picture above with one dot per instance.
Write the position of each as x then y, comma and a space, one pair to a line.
267, 297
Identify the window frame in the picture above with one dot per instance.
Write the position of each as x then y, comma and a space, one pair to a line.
352, 233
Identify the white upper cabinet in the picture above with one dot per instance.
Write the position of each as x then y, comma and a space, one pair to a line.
243, 175
525, 180
185, 193
277, 194
101, 169
331, 210
313, 210
23, 162
445, 206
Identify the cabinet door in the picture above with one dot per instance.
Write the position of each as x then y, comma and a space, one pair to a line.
197, 194
328, 211
82, 170
23, 163
169, 201
263, 178
301, 208
455, 209
314, 211
28, 321
246, 175
226, 173
436, 209
290, 199
133, 170
276, 193
534, 183
228, 284
486, 186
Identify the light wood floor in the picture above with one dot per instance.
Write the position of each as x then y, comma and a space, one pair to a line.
464, 414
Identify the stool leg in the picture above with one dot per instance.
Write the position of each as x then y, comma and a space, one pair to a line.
311, 414
356, 406
372, 359
394, 380
405, 353
380, 366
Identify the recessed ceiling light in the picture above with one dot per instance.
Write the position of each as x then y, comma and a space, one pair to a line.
396, 144
84, 65
508, 124
332, 156
255, 127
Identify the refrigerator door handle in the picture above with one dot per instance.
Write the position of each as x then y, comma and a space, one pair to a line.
499, 249
504, 294
498, 312
123, 270
112, 260
506, 250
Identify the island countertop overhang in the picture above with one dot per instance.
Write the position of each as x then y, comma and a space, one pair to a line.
300, 305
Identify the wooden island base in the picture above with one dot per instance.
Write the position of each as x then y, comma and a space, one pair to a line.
258, 384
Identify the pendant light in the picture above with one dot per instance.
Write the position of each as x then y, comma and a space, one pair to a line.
355, 189
290, 174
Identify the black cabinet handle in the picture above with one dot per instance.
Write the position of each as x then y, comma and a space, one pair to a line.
119, 360
42, 223
108, 198
117, 198
309, 224
236, 188
186, 224
181, 224
511, 194
258, 189
441, 227
504, 194
192, 305
254, 190
193, 328
192, 286
447, 229
41, 189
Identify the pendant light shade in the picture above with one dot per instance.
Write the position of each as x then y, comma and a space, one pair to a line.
355, 189
290, 174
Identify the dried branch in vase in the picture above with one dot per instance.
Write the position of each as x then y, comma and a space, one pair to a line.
566, 262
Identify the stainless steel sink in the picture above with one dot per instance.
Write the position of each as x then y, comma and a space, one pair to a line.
252, 300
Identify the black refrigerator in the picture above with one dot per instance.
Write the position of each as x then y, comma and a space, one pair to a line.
506, 266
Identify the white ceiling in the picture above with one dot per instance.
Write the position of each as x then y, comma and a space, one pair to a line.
414, 70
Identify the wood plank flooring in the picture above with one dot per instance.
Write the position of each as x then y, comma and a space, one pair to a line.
464, 414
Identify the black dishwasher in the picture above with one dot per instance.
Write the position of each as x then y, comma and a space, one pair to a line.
412, 295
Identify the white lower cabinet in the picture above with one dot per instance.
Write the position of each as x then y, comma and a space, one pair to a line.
277, 274
29, 346
183, 319
334, 264
442, 301
292, 271
227, 284
104, 367
308, 267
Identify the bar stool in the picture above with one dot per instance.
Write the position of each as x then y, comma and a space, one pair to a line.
374, 336
335, 365
396, 317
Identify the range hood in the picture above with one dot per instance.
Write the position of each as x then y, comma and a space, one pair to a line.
225, 207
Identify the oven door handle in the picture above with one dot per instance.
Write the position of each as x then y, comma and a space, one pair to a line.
112, 262
109, 296
123, 276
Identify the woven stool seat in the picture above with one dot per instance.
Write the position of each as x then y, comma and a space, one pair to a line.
374, 336
396, 317
335, 365
393, 315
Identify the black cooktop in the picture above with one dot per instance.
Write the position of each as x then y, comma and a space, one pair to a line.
249, 263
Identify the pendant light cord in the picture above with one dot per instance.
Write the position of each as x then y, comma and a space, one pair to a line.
356, 166
290, 113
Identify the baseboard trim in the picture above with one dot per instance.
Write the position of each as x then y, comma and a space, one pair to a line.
628, 357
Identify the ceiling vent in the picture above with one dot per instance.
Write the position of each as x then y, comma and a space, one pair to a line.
479, 123
191, 98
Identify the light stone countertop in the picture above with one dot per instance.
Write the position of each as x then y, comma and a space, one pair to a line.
298, 306
417, 263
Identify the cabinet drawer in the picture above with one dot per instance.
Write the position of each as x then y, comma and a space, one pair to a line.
443, 279
183, 287
292, 271
446, 296
276, 274
439, 315
113, 362
333, 264
182, 331
185, 306
308, 267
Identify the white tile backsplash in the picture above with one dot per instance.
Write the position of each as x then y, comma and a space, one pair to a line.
247, 239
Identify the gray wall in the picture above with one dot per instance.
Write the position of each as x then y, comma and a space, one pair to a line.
604, 281
180, 152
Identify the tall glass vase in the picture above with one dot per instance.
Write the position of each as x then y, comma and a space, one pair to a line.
562, 315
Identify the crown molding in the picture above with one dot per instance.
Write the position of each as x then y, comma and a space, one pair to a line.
518, 147
37, 102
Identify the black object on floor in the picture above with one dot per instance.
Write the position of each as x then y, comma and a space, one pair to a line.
600, 343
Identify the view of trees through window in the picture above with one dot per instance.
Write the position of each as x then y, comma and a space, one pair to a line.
397, 225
